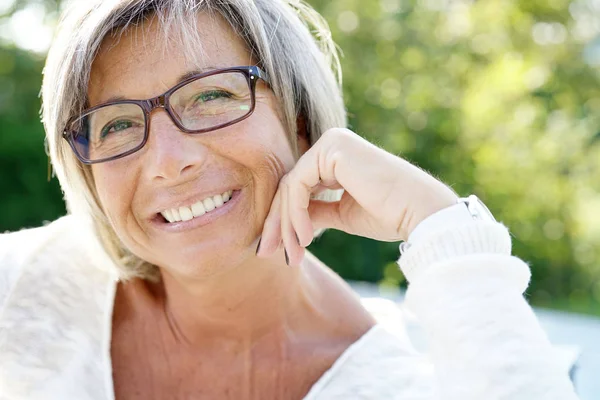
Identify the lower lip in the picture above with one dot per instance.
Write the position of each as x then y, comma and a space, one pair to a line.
197, 222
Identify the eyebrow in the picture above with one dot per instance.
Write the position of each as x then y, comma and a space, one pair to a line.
189, 74
181, 78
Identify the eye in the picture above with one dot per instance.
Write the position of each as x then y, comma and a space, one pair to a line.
210, 95
116, 126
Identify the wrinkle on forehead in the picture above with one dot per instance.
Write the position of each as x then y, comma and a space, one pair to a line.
166, 33
147, 49
151, 36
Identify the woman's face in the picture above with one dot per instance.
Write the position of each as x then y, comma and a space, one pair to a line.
177, 170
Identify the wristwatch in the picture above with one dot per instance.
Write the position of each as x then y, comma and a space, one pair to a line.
477, 209
465, 208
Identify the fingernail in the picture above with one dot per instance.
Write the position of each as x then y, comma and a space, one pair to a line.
258, 247
287, 259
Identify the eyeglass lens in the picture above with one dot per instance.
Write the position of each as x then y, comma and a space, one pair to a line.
200, 105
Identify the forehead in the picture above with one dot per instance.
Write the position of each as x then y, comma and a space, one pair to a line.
143, 62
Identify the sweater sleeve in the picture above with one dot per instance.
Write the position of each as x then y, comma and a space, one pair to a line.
484, 341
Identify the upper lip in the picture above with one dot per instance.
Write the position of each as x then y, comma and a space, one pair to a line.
189, 201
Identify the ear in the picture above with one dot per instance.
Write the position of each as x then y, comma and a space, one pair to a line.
302, 135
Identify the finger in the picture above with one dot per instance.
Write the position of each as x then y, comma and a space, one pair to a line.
303, 180
298, 200
324, 186
325, 215
271, 233
293, 250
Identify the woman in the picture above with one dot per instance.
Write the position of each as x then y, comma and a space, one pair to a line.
181, 271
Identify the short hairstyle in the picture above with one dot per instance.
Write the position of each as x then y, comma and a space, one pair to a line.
289, 40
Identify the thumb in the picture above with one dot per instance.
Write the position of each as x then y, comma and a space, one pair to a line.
325, 214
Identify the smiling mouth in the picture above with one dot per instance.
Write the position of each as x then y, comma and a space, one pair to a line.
198, 209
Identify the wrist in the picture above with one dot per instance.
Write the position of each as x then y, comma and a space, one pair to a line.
450, 242
463, 211
433, 205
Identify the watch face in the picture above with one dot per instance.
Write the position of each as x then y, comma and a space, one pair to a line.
480, 209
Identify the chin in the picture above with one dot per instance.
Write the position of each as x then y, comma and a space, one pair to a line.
200, 262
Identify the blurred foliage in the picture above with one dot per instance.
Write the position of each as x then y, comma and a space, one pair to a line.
499, 97
496, 98
11, 7
26, 197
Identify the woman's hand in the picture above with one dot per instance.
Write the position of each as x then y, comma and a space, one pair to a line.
384, 198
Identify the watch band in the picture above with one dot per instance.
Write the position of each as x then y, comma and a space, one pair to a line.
450, 216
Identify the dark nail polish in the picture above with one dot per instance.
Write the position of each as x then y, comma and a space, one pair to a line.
258, 246
287, 259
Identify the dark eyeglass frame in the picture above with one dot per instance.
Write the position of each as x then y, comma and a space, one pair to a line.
251, 72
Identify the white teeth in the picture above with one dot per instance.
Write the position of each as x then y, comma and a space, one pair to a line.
168, 215
185, 213
209, 204
176, 216
226, 196
197, 209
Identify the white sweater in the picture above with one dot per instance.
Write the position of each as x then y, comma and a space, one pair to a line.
57, 290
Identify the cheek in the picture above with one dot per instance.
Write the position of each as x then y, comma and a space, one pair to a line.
267, 146
115, 190
259, 146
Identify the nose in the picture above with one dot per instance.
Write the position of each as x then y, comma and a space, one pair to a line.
170, 154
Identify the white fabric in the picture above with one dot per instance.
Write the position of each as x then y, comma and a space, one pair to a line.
449, 217
56, 298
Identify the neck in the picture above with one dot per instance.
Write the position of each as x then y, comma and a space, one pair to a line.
242, 304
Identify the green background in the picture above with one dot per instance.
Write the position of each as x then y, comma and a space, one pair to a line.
498, 98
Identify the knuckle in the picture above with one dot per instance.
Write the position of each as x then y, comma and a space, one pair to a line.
284, 182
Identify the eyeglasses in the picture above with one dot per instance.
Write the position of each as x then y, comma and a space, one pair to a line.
202, 103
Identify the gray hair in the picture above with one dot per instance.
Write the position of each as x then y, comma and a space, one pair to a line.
289, 39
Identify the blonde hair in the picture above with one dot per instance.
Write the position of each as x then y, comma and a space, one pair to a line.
290, 40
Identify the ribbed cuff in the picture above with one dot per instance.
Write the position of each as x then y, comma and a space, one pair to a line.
476, 237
